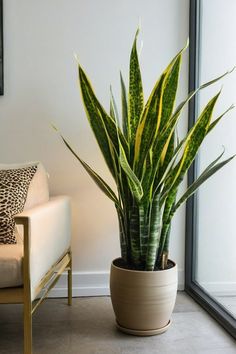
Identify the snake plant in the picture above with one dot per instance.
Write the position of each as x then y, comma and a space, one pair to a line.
146, 159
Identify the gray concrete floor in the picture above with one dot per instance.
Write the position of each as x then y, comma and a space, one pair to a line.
88, 328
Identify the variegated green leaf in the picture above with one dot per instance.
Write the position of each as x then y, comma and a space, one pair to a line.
216, 121
193, 93
196, 136
96, 121
182, 105
113, 107
165, 252
192, 144
134, 183
96, 178
102, 125
167, 215
159, 145
166, 169
167, 155
207, 173
149, 123
154, 233
135, 97
143, 232
157, 112
170, 90
112, 111
135, 236
123, 237
147, 187
124, 107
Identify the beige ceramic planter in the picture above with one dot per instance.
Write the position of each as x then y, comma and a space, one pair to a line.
143, 301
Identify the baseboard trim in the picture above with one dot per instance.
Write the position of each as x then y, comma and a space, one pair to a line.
92, 284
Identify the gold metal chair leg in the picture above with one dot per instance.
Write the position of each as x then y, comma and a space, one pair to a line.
27, 328
27, 290
69, 281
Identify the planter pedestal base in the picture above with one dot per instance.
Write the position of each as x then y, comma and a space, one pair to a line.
151, 332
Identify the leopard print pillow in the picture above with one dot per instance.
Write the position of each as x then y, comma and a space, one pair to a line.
14, 184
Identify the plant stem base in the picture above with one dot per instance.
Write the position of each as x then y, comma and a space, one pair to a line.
142, 333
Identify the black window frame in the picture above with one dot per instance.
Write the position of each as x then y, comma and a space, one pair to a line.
213, 307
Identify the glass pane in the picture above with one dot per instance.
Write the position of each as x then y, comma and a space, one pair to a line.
216, 241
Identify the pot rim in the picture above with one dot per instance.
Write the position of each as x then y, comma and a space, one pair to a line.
144, 271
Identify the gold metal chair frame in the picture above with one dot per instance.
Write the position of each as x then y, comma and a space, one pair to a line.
22, 295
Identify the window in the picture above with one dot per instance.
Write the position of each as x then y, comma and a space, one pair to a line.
210, 231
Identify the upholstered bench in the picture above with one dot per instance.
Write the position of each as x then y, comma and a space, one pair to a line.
35, 235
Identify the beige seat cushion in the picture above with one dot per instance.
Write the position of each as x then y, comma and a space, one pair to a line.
11, 265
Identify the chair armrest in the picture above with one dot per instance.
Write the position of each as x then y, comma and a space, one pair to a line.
48, 236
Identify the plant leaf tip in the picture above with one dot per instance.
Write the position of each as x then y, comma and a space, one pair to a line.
138, 30
54, 127
187, 43
141, 48
76, 58
230, 71
139, 24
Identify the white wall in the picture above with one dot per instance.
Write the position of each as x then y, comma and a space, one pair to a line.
41, 38
217, 198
